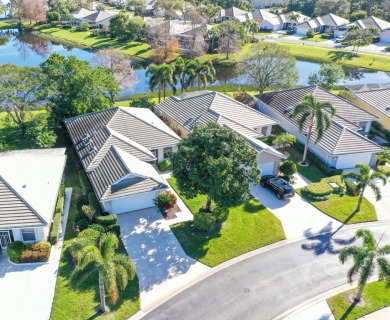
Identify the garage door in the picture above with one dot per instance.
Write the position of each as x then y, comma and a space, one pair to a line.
349, 160
132, 203
267, 168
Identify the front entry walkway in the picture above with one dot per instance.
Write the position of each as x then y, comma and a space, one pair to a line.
27, 291
162, 265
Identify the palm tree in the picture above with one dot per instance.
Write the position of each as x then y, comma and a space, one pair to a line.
365, 258
204, 72
213, 33
295, 17
185, 71
252, 26
161, 76
114, 270
312, 112
366, 179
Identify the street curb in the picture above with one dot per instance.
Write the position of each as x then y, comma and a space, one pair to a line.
240, 258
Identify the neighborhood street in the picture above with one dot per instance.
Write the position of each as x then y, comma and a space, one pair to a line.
268, 284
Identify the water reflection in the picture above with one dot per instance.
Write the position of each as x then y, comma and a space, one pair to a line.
27, 43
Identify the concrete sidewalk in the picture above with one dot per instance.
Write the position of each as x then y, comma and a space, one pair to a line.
27, 290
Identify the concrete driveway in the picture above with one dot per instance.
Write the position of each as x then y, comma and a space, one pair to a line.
299, 218
162, 265
382, 206
268, 284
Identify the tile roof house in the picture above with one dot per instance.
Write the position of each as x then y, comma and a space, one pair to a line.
189, 109
343, 145
117, 148
283, 21
99, 19
374, 98
233, 13
81, 13
326, 23
29, 184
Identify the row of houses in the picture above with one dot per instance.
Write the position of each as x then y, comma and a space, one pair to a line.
120, 147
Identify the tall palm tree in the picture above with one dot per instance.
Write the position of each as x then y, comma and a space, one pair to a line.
366, 179
204, 72
364, 260
114, 270
161, 76
185, 71
251, 26
312, 112
213, 33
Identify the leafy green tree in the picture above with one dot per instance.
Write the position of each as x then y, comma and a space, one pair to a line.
213, 34
118, 26
312, 112
204, 72
365, 258
251, 26
161, 76
114, 270
143, 102
21, 91
210, 11
366, 179
356, 15
185, 71
53, 16
328, 76
230, 37
288, 169
217, 162
41, 133
75, 87
339, 7
285, 140
136, 28
269, 64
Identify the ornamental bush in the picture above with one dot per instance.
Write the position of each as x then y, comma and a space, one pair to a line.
310, 34
164, 165
114, 228
94, 203
204, 221
318, 191
97, 227
53, 16
165, 201
288, 169
221, 214
383, 169
83, 26
15, 250
107, 220
55, 228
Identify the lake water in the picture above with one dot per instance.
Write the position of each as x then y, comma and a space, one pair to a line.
31, 50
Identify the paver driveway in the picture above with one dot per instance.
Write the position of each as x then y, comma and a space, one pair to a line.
299, 218
162, 265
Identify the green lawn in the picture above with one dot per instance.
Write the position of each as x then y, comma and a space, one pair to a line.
310, 172
85, 39
11, 24
249, 227
376, 295
342, 208
316, 38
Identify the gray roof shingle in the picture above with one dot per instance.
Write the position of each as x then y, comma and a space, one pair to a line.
340, 138
378, 99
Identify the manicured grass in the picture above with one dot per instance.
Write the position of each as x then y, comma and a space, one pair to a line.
249, 226
376, 295
320, 54
342, 208
12, 24
81, 303
316, 38
85, 39
310, 172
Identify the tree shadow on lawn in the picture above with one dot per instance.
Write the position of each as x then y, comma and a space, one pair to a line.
323, 241
253, 207
348, 311
341, 55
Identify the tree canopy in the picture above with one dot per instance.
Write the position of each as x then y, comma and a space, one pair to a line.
215, 161
328, 76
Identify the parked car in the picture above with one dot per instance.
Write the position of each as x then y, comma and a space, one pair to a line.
279, 186
339, 39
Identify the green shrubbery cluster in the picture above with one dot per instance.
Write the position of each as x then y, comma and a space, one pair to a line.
383, 169
318, 191
205, 221
165, 201
164, 165
18, 252
56, 225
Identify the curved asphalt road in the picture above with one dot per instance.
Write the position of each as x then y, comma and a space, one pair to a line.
268, 284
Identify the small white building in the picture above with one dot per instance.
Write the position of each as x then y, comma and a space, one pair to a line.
29, 185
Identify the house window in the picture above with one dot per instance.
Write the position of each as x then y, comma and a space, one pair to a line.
154, 151
264, 131
167, 152
28, 235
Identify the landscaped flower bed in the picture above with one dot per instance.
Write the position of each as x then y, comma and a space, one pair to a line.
20, 252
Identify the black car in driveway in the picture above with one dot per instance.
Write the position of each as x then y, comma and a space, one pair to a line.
279, 186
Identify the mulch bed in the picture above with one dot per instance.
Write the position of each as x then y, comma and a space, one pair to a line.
171, 213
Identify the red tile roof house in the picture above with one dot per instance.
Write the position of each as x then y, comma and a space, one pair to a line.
342, 145
29, 185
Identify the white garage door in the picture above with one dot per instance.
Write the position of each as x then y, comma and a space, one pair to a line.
132, 203
349, 160
267, 168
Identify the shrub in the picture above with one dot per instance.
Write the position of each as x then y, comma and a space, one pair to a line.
384, 169
83, 223
115, 228
164, 165
288, 169
55, 228
97, 227
81, 201
221, 214
83, 26
84, 182
53, 24
15, 250
352, 188
91, 234
204, 221
53, 16
165, 200
38, 252
88, 211
107, 220
94, 203
318, 191
60, 200
387, 49
95, 32
310, 34
42, 246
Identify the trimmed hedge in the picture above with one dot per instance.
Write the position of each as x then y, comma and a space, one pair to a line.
318, 191
107, 220
60, 200
97, 227
318, 162
55, 228
38, 252
84, 182
383, 169
94, 203
115, 228
15, 250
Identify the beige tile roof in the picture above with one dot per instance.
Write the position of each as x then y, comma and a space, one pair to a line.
378, 99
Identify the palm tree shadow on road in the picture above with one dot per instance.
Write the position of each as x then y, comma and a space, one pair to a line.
323, 241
